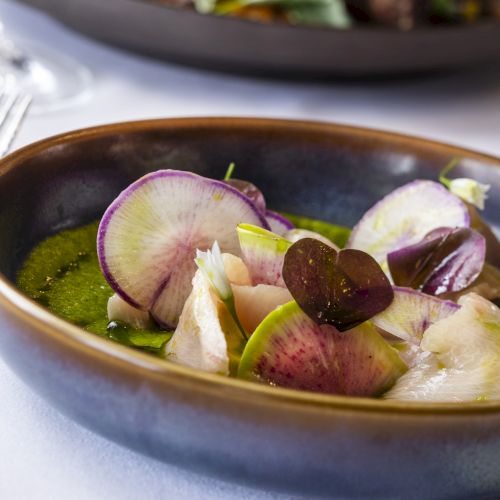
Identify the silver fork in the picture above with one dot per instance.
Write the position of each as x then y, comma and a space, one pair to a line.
14, 105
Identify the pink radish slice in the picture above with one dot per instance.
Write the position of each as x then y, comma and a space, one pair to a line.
411, 313
405, 216
289, 349
278, 224
263, 252
149, 234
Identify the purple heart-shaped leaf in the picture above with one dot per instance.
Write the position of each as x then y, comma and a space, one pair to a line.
446, 260
341, 288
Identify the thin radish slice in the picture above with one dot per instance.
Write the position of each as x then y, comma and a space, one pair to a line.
148, 237
278, 224
411, 313
263, 253
405, 216
289, 349
463, 357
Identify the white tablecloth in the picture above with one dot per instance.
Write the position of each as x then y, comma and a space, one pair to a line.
44, 455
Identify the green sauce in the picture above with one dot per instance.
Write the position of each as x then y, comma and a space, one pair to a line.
62, 273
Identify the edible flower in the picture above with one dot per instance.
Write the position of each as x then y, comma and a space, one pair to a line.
470, 190
212, 266
467, 189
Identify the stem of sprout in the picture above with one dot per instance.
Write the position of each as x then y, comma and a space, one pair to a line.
232, 311
229, 171
446, 170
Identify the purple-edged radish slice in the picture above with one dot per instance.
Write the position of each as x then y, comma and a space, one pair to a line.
289, 349
263, 253
278, 223
294, 235
446, 260
405, 216
411, 313
148, 237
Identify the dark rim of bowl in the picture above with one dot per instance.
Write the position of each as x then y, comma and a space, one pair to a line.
60, 331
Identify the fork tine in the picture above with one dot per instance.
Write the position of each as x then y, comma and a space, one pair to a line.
12, 112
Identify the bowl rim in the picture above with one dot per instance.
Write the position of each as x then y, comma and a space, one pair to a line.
60, 331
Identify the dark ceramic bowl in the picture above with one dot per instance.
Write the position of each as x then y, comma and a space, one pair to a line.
245, 432
276, 49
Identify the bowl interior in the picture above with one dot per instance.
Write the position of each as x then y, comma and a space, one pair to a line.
329, 172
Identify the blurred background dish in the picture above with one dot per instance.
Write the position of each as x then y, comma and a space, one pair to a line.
371, 37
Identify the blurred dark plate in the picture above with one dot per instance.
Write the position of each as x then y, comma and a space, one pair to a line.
183, 36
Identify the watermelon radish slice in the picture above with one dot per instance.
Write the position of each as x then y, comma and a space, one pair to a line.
148, 236
263, 253
405, 216
288, 349
411, 313
278, 224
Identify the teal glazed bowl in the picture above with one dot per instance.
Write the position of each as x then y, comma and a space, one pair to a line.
263, 436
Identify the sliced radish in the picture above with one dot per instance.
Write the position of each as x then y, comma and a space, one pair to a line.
254, 303
462, 360
148, 236
288, 349
294, 235
405, 216
278, 223
411, 313
263, 253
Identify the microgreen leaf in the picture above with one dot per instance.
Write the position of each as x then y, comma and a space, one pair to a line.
446, 260
342, 289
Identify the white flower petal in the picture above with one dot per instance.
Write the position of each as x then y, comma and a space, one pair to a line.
212, 266
470, 190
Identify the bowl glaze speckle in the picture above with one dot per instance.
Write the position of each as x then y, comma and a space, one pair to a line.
254, 434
